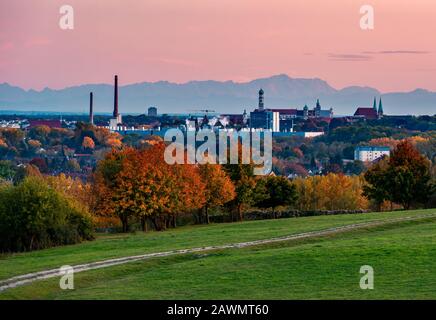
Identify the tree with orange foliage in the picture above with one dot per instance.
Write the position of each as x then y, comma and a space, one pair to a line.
113, 142
330, 192
104, 186
88, 143
219, 187
139, 183
388, 142
188, 191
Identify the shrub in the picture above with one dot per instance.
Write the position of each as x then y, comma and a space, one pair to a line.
35, 216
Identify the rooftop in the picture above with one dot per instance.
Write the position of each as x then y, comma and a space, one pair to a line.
372, 148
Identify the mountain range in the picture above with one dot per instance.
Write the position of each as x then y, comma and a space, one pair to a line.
281, 91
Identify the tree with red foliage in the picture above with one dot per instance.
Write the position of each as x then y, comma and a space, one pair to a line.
404, 178
40, 163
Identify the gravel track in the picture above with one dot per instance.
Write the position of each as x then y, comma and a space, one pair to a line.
31, 277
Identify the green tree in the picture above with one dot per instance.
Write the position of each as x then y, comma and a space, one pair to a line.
376, 187
245, 183
275, 191
355, 167
35, 216
408, 176
7, 170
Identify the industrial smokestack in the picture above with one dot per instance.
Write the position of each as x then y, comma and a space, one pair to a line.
116, 98
91, 111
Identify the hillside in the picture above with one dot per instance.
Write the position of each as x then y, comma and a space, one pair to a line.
401, 253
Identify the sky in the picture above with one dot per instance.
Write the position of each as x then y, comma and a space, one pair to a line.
239, 40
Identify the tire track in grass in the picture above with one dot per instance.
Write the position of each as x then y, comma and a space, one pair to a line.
51, 273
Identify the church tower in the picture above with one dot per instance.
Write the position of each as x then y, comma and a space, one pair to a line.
374, 105
317, 109
306, 112
380, 109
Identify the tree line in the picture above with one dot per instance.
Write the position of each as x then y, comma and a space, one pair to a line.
136, 185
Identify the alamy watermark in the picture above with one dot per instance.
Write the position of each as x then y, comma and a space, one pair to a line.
367, 280
367, 18
66, 21
223, 149
67, 279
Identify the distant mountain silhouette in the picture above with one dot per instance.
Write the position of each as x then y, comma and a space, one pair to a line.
281, 91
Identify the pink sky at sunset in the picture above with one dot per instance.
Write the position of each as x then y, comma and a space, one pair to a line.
240, 40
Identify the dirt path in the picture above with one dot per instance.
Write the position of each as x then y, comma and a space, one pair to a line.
31, 277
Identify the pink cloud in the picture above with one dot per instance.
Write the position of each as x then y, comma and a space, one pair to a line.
37, 42
5, 46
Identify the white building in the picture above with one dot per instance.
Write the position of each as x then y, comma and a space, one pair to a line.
370, 153
276, 122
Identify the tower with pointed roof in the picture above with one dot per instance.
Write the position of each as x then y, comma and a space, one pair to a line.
380, 109
374, 105
306, 112
317, 109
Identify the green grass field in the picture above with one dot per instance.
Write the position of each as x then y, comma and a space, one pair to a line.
403, 256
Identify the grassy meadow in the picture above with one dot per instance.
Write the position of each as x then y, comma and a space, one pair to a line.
402, 254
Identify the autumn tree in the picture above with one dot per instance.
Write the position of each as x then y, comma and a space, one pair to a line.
139, 183
113, 142
73, 165
404, 180
105, 184
143, 187
330, 192
73, 189
40, 133
40, 163
12, 137
188, 191
88, 143
24, 172
34, 144
219, 189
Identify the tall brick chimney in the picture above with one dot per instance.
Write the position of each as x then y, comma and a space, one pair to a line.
116, 97
91, 111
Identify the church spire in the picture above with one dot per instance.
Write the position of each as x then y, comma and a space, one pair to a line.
380, 108
374, 105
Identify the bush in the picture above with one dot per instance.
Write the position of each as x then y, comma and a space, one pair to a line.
35, 216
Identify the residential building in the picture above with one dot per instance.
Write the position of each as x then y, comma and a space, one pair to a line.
305, 113
370, 153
